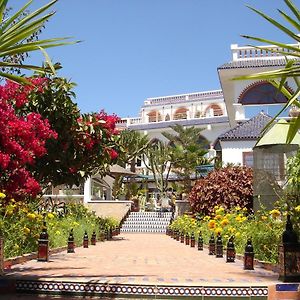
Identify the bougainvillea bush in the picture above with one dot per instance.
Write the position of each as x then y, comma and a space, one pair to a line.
44, 139
23, 139
230, 186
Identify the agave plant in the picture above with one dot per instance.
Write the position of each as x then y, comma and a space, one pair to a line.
15, 32
292, 68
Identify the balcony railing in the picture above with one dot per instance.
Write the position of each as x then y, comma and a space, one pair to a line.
248, 52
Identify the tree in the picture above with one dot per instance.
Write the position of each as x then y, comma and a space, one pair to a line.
188, 150
15, 33
158, 160
85, 144
292, 69
133, 145
22, 140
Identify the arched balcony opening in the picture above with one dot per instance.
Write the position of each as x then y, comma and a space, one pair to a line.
214, 110
180, 114
154, 116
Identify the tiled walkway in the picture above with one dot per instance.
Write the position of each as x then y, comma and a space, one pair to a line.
143, 259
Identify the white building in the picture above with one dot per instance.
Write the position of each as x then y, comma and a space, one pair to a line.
203, 109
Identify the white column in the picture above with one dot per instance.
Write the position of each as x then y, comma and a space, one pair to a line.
87, 190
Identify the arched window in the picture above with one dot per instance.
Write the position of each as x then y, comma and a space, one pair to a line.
154, 116
261, 93
180, 113
213, 110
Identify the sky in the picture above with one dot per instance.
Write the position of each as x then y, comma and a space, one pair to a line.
131, 50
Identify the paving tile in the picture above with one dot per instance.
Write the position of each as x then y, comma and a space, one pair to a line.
144, 258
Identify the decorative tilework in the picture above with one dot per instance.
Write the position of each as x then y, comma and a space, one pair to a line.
92, 288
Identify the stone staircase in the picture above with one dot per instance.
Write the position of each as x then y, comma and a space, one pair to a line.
151, 222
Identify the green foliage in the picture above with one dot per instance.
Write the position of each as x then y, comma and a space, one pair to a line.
15, 34
229, 187
188, 150
21, 225
84, 142
292, 69
159, 162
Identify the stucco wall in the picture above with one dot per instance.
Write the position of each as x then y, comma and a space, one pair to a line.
232, 151
116, 209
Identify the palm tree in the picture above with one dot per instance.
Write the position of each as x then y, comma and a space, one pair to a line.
292, 69
133, 145
158, 160
15, 33
189, 147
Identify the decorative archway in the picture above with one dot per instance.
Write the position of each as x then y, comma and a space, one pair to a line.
180, 113
213, 110
154, 116
261, 92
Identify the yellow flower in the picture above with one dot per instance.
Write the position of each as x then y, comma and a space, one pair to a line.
232, 230
238, 218
212, 224
297, 208
238, 234
50, 216
220, 210
224, 222
218, 230
218, 217
238, 208
206, 218
16, 246
2, 195
264, 218
31, 216
26, 230
275, 213
57, 232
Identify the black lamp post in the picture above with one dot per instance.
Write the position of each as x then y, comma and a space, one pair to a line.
230, 251
93, 238
249, 256
289, 254
85, 240
71, 245
193, 242
211, 245
182, 237
187, 239
219, 246
200, 242
43, 245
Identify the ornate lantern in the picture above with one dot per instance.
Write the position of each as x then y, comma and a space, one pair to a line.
43, 245
85, 240
211, 245
249, 256
200, 242
193, 240
187, 239
93, 238
182, 237
230, 251
71, 245
289, 255
219, 246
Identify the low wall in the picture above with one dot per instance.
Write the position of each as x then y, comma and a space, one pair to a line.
181, 207
106, 208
